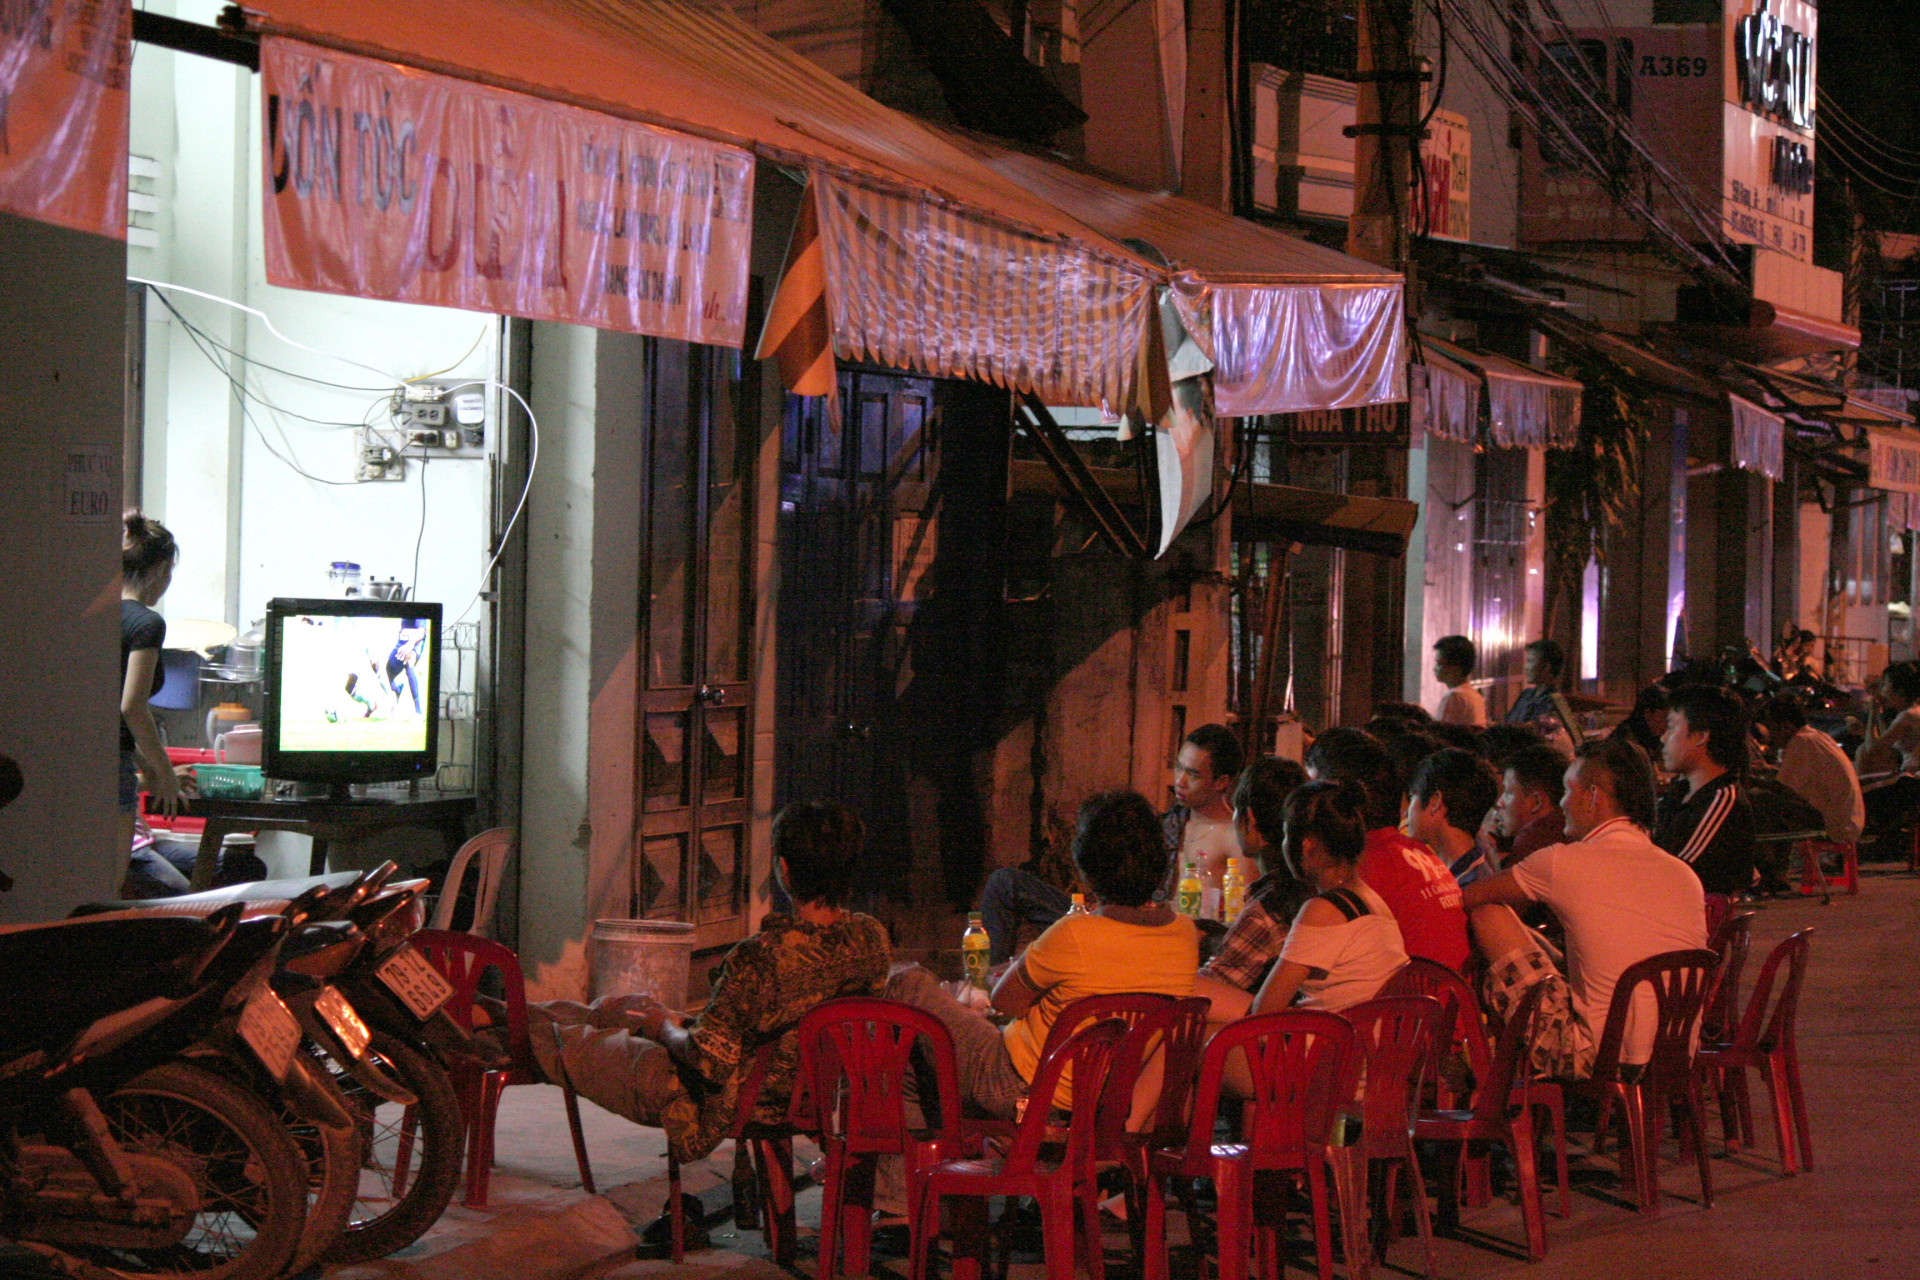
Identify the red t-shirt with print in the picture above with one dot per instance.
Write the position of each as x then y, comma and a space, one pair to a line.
1422, 893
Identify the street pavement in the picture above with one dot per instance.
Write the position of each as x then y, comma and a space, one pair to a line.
1854, 1215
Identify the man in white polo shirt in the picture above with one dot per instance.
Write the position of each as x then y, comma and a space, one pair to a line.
1620, 897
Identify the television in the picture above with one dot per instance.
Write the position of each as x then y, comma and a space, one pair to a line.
352, 691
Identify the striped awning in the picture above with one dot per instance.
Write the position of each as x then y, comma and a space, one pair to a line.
1446, 398
1893, 460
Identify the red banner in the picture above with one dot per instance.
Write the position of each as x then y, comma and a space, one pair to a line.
63, 112
385, 182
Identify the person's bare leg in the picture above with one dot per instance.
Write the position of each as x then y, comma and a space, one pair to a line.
1498, 932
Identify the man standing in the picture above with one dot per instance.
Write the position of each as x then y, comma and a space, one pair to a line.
1415, 884
1447, 802
1544, 663
1813, 767
1199, 826
1704, 819
1527, 814
1453, 661
1620, 897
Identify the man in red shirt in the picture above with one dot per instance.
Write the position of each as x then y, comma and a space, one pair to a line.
1415, 884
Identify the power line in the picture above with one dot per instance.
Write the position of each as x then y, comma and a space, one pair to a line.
1831, 106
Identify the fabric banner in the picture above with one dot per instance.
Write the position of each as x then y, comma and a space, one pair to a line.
1893, 460
384, 182
1531, 411
1286, 348
915, 283
63, 112
1445, 399
1759, 438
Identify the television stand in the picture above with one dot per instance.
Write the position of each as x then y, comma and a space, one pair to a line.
326, 820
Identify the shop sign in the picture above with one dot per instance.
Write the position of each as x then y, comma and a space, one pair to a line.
1893, 462
1773, 66
1446, 165
1383, 424
383, 182
63, 112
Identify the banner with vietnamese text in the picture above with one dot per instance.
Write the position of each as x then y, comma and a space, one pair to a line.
63, 112
386, 182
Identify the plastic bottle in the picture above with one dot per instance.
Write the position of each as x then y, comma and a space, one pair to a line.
1233, 891
976, 951
1190, 891
1078, 907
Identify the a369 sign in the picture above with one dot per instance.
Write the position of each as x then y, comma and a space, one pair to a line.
1773, 64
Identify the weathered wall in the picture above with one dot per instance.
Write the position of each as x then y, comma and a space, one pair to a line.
63, 345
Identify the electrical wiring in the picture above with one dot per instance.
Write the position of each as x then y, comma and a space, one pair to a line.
266, 320
478, 339
1830, 108
533, 465
413, 583
1854, 160
208, 339
1868, 150
254, 360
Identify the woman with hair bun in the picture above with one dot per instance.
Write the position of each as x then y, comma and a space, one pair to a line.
1345, 943
147, 556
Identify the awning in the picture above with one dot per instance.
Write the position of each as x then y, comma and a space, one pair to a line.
1759, 438
1893, 460
1446, 398
1289, 325
1275, 512
1773, 332
683, 66
1526, 409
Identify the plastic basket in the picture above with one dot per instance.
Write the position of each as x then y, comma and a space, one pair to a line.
230, 781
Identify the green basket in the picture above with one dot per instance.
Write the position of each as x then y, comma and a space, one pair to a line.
230, 781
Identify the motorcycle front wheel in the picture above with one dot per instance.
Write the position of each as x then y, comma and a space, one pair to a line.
412, 1154
250, 1174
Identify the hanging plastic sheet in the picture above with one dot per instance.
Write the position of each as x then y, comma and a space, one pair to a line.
1527, 409
1285, 348
1759, 438
389, 183
63, 113
1445, 399
914, 282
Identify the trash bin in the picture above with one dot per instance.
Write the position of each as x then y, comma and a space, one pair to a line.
642, 957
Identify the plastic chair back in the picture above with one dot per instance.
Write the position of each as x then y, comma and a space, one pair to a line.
1679, 982
1300, 1062
1391, 1040
855, 1056
1768, 1023
462, 959
1719, 907
1493, 1095
1180, 1049
1085, 1055
1461, 1020
1149, 1033
491, 848
1730, 942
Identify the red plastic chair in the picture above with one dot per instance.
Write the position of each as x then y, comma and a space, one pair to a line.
462, 958
1764, 1040
1814, 879
768, 1150
1679, 981
1466, 1030
963, 1186
856, 1055
1174, 1036
1503, 1112
1730, 942
1391, 1039
1719, 907
1301, 1065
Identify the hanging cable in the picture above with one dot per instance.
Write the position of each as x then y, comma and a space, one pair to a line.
533, 463
266, 320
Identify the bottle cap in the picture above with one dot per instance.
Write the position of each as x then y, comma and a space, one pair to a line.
973, 917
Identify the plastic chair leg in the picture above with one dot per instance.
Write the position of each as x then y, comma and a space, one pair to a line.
1526, 1161
1087, 1209
1153, 1229
1696, 1130
1322, 1222
832, 1206
1790, 1069
1556, 1104
579, 1139
1233, 1185
1350, 1191
480, 1142
676, 1215
1059, 1239
1420, 1217
774, 1159
856, 1215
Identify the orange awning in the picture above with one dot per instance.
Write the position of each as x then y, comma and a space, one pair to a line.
698, 70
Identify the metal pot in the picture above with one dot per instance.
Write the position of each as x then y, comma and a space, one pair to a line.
246, 656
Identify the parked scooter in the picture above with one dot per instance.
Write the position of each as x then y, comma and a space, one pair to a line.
112, 1148
368, 1008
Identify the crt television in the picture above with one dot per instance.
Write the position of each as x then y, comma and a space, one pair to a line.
352, 691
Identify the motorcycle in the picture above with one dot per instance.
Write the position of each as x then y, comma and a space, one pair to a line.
113, 1148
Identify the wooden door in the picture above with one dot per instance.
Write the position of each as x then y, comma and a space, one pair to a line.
857, 538
696, 594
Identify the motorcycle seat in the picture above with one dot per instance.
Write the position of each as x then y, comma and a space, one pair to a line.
257, 892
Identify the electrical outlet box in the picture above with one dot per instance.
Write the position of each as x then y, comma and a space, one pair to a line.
377, 456
445, 417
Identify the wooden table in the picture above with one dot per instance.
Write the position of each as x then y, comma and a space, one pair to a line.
325, 820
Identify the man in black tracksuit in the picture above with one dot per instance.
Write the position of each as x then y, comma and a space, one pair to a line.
1704, 818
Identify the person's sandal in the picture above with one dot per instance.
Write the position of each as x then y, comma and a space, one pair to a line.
659, 1232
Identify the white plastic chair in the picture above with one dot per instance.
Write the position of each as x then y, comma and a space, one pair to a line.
491, 847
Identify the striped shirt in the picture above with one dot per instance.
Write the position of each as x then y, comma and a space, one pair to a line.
1711, 830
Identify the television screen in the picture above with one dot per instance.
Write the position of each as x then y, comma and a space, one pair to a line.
352, 690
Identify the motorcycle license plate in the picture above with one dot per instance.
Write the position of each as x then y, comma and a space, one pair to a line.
418, 984
269, 1029
345, 1021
